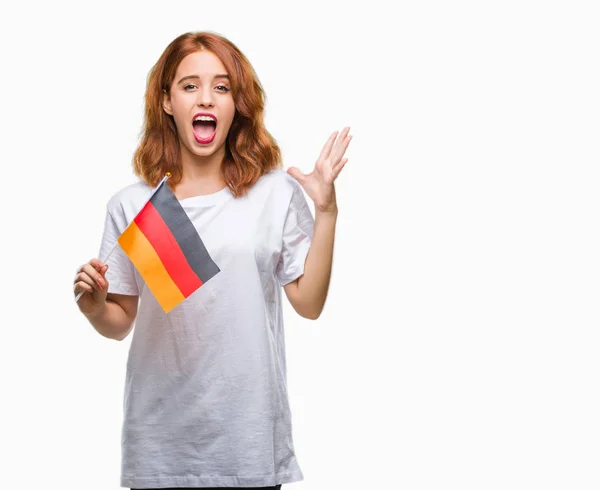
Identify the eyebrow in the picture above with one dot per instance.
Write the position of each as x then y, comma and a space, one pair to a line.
188, 77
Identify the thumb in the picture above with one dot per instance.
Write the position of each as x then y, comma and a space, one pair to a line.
297, 174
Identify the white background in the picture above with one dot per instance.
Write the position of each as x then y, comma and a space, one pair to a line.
459, 346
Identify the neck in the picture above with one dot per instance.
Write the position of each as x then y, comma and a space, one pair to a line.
201, 174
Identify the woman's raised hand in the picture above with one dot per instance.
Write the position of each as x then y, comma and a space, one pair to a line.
319, 184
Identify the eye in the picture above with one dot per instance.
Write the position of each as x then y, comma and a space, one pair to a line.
223, 87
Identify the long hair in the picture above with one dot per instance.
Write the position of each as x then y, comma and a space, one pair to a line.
250, 150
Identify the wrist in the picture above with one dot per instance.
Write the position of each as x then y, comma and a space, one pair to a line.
331, 210
97, 311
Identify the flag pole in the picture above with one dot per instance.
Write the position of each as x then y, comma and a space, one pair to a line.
167, 175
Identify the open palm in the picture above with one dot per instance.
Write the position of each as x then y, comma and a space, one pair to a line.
318, 184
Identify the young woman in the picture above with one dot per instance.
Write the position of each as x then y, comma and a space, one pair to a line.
206, 402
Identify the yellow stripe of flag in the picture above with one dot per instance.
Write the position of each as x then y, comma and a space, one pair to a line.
135, 244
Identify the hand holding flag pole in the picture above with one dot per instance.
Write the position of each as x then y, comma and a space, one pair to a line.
104, 261
168, 174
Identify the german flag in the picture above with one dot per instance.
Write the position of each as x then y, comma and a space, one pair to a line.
166, 249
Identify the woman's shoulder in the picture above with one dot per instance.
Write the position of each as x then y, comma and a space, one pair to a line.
281, 180
132, 195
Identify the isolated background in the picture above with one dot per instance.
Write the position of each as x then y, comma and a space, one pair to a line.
459, 344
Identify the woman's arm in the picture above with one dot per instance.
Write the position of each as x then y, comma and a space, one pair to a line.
308, 293
115, 319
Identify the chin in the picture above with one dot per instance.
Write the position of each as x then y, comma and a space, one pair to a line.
204, 150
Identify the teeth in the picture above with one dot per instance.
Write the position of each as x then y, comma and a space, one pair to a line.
204, 118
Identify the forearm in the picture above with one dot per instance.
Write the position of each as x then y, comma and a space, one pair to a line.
111, 321
313, 285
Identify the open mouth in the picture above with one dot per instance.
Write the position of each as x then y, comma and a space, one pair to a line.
204, 129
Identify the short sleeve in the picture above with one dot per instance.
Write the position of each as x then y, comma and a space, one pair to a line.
121, 274
297, 236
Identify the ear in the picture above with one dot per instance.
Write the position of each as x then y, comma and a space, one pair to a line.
166, 103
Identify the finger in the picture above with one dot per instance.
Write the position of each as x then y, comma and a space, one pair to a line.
341, 163
96, 263
85, 278
341, 139
327, 148
338, 168
95, 275
345, 132
103, 270
340, 149
82, 286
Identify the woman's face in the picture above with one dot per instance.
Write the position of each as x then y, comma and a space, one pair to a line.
201, 86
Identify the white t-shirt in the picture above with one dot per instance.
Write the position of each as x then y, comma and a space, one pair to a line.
206, 402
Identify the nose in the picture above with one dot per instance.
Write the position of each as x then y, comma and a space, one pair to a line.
205, 98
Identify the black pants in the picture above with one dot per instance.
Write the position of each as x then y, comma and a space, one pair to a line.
276, 487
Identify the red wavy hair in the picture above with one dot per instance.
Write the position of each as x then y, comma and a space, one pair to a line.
250, 150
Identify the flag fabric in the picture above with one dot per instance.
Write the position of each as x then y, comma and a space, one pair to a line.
164, 246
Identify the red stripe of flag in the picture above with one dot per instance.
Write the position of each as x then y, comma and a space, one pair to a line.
152, 225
